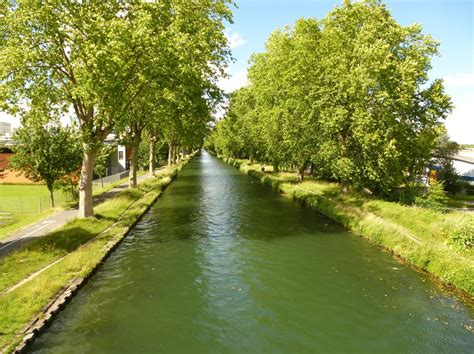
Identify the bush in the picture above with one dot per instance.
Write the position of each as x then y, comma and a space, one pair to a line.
435, 199
450, 178
467, 188
462, 236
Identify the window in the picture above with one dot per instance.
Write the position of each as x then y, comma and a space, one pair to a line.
120, 155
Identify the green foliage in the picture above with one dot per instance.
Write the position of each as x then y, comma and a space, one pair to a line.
462, 236
47, 153
450, 178
121, 65
102, 157
435, 199
348, 95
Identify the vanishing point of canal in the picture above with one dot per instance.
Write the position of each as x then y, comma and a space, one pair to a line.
222, 264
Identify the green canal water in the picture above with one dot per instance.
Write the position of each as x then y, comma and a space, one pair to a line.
222, 264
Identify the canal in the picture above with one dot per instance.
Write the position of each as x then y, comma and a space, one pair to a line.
222, 264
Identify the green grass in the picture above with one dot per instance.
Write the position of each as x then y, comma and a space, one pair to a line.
422, 237
28, 204
461, 201
81, 243
30, 195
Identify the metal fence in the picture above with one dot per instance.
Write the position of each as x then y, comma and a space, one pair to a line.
110, 179
40, 204
5, 218
33, 205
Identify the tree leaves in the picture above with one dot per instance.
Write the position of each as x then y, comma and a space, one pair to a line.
348, 94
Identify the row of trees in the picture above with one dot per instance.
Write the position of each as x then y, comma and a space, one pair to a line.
347, 97
135, 68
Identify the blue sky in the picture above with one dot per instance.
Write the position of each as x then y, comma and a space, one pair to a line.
448, 21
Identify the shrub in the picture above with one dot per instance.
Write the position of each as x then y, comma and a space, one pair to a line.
462, 237
435, 199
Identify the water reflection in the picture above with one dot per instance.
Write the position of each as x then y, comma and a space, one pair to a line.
222, 264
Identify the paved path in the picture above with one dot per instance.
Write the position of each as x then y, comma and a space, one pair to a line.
45, 226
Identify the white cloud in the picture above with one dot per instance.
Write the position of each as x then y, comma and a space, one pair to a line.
235, 39
459, 80
233, 82
460, 123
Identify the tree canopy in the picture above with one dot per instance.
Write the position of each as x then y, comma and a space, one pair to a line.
47, 153
348, 96
116, 66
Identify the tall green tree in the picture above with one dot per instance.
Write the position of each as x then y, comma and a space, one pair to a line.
380, 112
348, 95
47, 153
92, 57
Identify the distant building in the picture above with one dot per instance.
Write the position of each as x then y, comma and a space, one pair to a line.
118, 160
465, 164
5, 129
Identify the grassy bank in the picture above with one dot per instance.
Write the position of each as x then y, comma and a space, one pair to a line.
32, 276
422, 237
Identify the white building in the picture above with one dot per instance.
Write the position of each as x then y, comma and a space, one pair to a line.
465, 168
5, 129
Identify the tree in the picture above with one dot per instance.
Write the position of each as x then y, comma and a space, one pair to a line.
442, 153
46, 153
348, 95
101, 161
92, 58
379, 123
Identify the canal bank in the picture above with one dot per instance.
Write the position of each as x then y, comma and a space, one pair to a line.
222, 264
418, 236
38, 279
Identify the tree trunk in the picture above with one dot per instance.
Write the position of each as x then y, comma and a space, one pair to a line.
51, 197
173, 155
152, 157
86, 207
170, 154
276, 168
301, 173
132, 175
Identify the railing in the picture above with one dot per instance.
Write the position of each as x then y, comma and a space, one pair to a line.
33, 205
110, 179
5, 217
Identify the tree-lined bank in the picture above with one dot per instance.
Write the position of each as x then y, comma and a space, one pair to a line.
346, 98
133, 68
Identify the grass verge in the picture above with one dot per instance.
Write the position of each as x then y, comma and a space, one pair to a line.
420, 236
71, 252
40, 191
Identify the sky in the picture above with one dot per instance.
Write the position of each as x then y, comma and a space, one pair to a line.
448, 21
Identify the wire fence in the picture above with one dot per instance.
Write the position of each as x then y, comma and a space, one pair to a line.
40, 204
110, 179
33, 205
